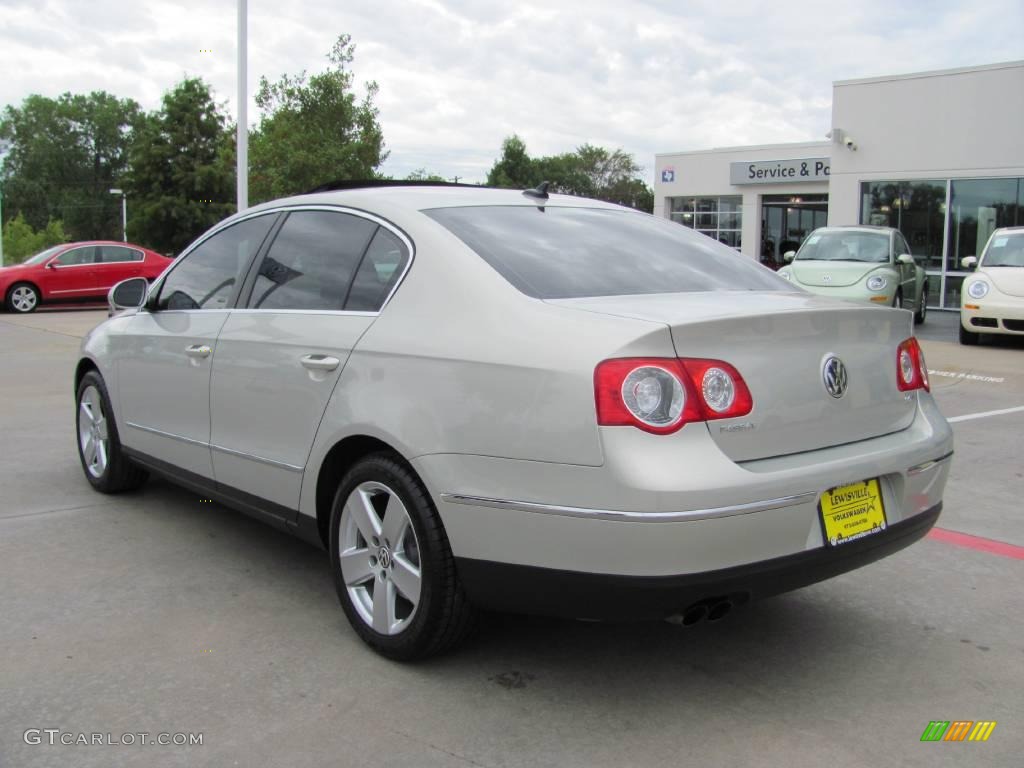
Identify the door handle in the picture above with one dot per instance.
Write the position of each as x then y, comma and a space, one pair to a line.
319, 362
198, 350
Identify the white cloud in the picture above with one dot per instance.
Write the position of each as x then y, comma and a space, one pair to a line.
458, 76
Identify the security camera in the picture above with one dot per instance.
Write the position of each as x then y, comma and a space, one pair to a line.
850, 144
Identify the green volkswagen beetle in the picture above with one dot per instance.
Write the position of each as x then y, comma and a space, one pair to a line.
862, 264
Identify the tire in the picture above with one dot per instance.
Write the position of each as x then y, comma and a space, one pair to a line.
22, 298
922, 310
967, 338
397, 615
106, 467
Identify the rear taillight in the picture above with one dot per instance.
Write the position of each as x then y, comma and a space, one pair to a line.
911, 371
660, 395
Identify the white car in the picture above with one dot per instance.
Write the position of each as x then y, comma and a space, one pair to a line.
992, 298
480, 398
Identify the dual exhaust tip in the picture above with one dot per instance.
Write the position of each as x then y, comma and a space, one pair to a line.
710, 610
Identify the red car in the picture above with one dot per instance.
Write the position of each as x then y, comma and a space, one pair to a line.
74, 271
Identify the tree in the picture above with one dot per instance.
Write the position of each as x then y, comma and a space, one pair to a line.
589, 171
422, 174
514, 169
181, 182
66, 154
22, 241
312, 130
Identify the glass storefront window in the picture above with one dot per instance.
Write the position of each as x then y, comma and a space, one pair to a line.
915, 208
717, 217
977, 208
786, 220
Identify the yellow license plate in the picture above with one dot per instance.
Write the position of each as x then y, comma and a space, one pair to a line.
852, 512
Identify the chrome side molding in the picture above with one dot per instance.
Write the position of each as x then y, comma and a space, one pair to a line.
633, 517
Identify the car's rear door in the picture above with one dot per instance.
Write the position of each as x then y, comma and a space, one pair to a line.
116, 263
306, 303
165, 354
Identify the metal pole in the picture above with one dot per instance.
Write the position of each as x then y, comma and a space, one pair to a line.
124, 217
242, 139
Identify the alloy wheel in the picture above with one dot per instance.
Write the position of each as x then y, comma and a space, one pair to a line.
24, 298
380, 558
93, 435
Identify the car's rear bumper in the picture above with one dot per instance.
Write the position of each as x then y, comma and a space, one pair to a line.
572, 594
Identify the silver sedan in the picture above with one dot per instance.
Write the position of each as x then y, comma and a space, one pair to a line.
478, 398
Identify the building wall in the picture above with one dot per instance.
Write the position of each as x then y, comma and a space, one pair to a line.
935, 125
706, 173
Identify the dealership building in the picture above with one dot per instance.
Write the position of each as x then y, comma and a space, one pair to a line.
938, 155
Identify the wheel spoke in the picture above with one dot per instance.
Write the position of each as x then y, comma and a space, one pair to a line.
87, 412
407, 579
355, 566
383, 606
101, 455
395, 521
89, 450
95, 404
101, 426
361, 509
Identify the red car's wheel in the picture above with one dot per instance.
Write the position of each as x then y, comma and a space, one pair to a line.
23, 298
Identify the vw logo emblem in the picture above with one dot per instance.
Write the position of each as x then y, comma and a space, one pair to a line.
826, 278
833, 373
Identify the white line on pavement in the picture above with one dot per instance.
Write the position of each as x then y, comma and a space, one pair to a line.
984, 414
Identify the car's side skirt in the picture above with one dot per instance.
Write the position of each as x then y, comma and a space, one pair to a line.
274, 514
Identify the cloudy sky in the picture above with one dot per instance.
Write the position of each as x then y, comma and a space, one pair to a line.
458, 76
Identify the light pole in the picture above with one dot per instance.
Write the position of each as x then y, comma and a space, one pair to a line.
242, 137
5, 147
124, 212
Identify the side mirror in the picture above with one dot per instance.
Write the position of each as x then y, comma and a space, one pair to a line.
128, 294
788, 256
52, 264
905, 258
969, 262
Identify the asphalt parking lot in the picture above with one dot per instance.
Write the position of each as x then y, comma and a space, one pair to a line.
156, 612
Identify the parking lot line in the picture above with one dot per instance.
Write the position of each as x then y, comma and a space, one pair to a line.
977, 543
984, 414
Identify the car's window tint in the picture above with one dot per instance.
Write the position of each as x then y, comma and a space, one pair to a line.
311, 261
110, 254
76, 256
557, 252
206, 277
379, 271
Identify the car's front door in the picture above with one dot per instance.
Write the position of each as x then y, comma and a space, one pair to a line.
71, 274
165, 354
309, 300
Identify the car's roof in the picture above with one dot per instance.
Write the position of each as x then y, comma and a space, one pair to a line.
1013, 230
855, 228
78, 243
420, 197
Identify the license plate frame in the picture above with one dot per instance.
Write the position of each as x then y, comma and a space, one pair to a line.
851, 512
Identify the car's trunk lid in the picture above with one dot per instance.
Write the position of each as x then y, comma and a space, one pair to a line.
779, 342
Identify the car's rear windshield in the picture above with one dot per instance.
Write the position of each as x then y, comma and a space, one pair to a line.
562, 252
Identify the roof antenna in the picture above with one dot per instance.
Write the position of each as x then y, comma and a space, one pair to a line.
541, 192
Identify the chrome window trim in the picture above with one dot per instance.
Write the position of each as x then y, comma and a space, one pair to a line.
276, 211
633, 517
925, 466
220, 448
